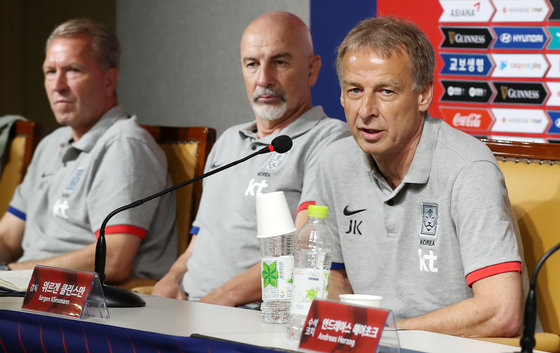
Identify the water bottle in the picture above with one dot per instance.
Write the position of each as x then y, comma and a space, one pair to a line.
277, 265
312, 263
275, 232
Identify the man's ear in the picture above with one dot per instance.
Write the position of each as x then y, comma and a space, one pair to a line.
425, 97
111, 78
314, 68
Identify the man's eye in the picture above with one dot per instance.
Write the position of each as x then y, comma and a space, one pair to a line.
354, 90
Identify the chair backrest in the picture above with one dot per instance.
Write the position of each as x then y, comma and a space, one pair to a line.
186, 149
532, 174
21, 146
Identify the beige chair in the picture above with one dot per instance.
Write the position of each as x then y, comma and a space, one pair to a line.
186, 149
532, 174
25, 138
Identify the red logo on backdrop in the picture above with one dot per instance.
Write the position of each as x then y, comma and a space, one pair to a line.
58, 291
337, 327
467, 119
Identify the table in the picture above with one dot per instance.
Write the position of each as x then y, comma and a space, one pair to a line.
164, 318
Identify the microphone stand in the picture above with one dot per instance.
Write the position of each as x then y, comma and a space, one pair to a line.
119, 297
527, 341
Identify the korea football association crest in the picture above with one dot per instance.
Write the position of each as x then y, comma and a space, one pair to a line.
274, 161
429, 219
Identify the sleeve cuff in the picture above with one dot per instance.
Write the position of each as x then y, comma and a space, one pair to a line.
124, 228
337, 266
304, 206
513, 266
19, 214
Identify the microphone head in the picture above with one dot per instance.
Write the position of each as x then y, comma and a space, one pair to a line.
282, 144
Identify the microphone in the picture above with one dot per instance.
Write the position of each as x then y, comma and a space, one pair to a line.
119, 297
527, 341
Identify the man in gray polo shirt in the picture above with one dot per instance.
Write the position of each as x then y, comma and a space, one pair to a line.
419, 210
101, 160
221, 264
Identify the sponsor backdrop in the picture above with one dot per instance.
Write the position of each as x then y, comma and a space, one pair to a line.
330, 20
498, 64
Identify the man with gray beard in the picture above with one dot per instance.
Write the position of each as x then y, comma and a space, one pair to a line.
221, 263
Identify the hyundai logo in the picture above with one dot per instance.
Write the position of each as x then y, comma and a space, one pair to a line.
505, 37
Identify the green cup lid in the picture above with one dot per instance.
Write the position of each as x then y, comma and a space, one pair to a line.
317, 211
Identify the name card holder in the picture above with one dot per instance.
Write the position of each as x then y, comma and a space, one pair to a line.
65, 292
338, 327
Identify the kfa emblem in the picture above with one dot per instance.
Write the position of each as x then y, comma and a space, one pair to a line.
429, 219
274, 161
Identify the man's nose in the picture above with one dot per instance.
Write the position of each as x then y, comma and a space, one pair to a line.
369, 106
266, 77
58, 82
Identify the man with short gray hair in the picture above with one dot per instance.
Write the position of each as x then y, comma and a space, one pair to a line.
99, 161
424, 219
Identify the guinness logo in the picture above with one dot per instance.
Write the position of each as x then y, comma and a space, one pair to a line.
466, 37
504, 91
451, 35
520, 93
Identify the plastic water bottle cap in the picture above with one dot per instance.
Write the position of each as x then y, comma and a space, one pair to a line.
317, 211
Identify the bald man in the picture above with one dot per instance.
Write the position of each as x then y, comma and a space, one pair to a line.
221, 263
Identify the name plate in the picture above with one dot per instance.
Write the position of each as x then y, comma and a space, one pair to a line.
338, 327
65, 292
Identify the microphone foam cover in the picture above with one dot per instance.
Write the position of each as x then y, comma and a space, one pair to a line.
282, 144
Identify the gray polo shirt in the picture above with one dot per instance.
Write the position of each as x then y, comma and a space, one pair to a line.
421, 245
70, 187
226, 244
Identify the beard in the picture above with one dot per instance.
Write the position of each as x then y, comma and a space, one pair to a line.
267, 111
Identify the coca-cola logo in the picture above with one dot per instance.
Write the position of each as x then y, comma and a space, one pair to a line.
473, 120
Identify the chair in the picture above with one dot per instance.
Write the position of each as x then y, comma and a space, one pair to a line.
25, 138
532, 175
186, 149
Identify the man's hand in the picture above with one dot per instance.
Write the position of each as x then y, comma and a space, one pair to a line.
168, 287
11, 235
242, 289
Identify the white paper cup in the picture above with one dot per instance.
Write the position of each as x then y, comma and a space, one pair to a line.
273, 215
373, 301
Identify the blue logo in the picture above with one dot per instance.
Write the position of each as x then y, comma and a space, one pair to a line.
555, 34
555, 126
466, 64
530, 38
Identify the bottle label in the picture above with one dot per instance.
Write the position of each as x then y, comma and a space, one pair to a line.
309, 284
276, 277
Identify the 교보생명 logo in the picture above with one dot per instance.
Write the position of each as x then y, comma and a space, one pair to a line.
466, 64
